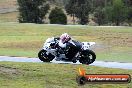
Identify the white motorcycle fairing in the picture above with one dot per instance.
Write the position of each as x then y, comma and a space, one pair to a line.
50, 52
46, 46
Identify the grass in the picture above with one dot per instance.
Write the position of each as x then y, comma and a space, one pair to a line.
113, 43
46, 75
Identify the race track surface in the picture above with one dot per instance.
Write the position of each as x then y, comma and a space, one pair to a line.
96, 63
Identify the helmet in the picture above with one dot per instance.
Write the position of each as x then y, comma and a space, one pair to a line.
65, 37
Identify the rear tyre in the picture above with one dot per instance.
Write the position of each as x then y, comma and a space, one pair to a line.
44, 57
87, 57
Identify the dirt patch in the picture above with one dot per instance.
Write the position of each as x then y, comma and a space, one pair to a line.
98, 47
8, 3
9, 70
8, 6
117, 39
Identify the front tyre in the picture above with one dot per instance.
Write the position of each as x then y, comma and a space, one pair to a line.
44, 57
87, 57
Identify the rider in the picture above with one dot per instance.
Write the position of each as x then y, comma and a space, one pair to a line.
66, 40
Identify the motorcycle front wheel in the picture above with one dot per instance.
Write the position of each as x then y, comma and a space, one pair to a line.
44, 57
87, 57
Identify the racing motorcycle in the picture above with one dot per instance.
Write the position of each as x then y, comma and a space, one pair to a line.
72, 53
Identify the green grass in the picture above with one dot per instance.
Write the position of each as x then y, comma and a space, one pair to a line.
18, 52
119, 57
27, 39
46, 75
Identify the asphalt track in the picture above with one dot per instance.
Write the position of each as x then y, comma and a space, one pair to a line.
96, 63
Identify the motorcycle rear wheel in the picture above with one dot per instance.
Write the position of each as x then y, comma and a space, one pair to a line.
44, 57
87, 57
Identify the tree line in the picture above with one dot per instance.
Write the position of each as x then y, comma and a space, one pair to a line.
102, 12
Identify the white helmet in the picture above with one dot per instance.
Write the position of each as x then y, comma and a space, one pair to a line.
65, 37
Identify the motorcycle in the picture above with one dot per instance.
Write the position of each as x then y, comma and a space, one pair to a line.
72, 53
